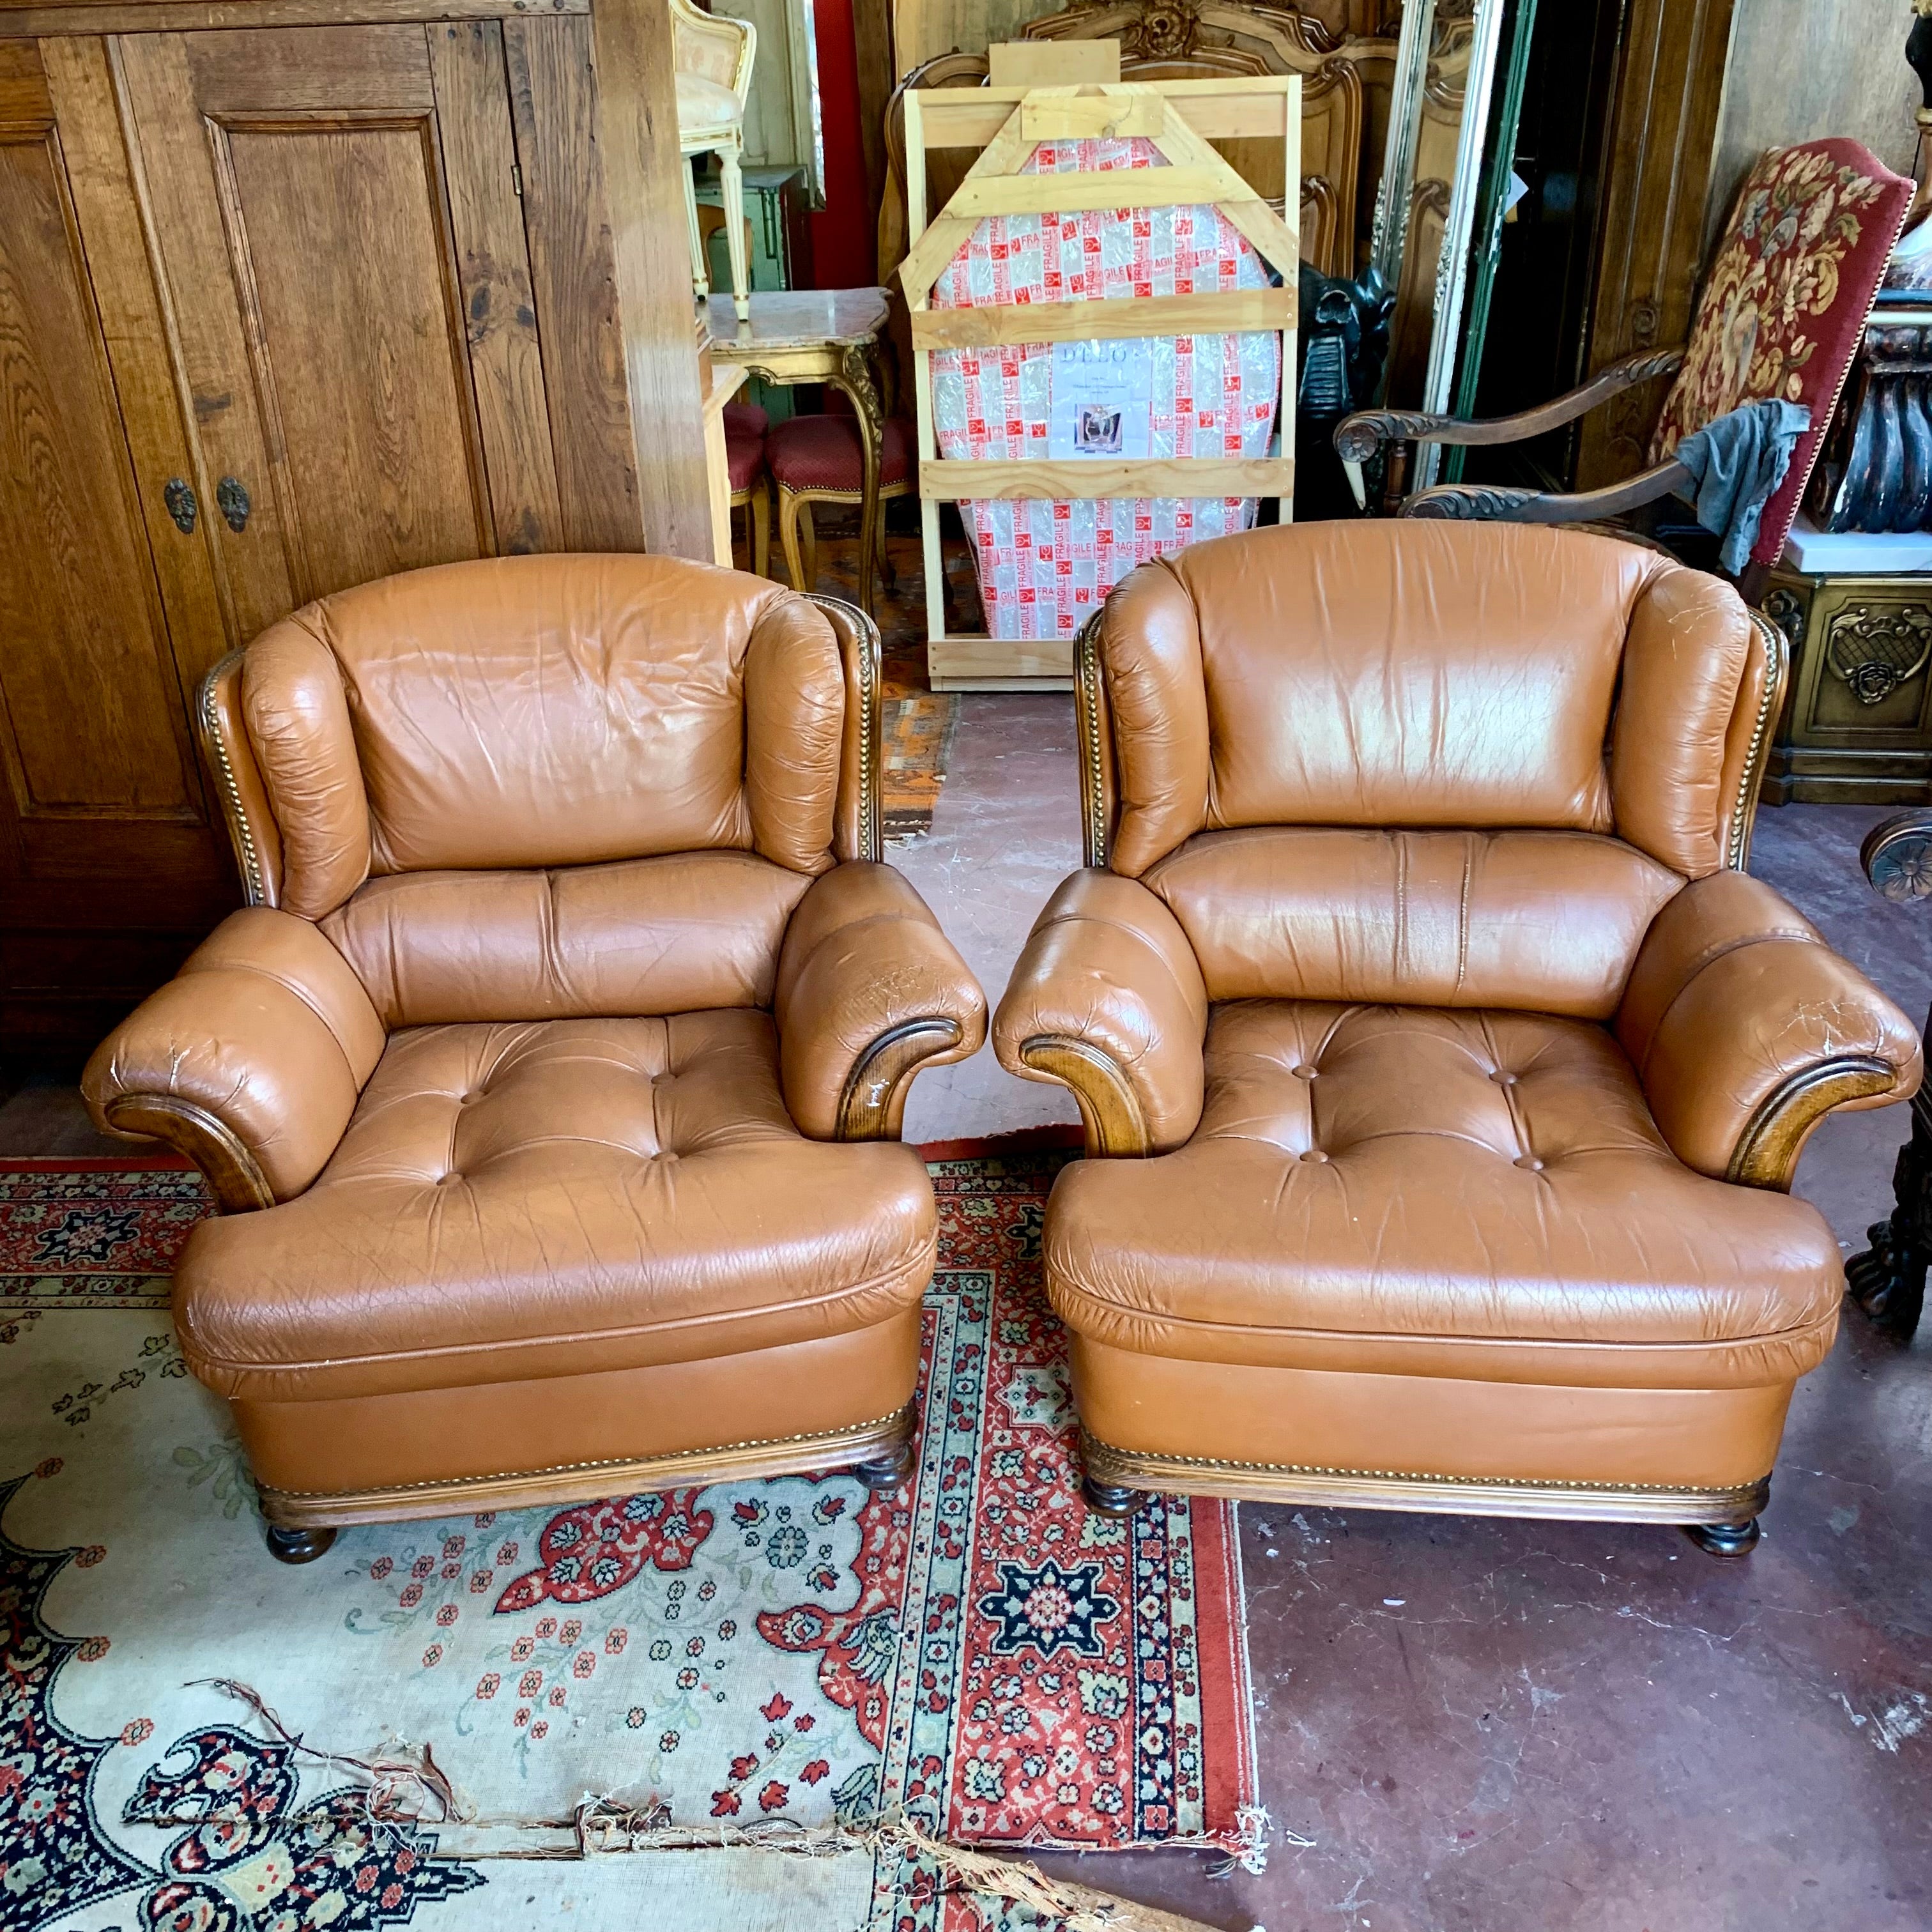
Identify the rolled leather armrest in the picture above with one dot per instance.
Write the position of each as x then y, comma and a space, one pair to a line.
250, 1060
1746, 1029
869, 991
1108, 1000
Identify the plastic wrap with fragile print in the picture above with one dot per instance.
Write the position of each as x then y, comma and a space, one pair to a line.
1045, 566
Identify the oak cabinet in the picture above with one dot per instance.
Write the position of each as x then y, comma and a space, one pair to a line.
290, 299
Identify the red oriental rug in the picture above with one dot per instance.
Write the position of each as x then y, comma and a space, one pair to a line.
981, 1654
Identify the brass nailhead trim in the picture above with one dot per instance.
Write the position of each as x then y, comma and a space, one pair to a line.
252, 881
608, 1463
1093, 788
1776, 662
1136, 1457
871, 838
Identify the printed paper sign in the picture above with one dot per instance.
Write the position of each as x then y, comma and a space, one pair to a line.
1103, 399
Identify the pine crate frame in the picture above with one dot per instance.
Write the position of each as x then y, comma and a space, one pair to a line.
1180, 117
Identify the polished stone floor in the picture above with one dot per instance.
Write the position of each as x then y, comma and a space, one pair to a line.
1472, 1726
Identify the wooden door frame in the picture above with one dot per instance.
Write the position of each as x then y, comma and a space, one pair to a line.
1661, 147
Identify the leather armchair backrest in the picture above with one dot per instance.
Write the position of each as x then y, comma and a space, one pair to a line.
538, 786
1448, 689
544, 711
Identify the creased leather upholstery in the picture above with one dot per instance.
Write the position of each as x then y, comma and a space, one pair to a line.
668, 935
1108, 964
864, 957
1734, 994
532, 711
297, 716
266, 1028
1683, 671
572, 850
1541, 920
1449, 1036
579, 1196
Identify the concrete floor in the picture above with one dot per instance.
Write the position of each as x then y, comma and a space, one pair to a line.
1502, 1726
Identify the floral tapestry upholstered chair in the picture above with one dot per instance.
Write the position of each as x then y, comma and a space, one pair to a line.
1782, 308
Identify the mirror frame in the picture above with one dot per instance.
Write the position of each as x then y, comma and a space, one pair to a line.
1390, 237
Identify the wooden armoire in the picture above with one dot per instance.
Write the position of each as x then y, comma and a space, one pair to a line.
293, 294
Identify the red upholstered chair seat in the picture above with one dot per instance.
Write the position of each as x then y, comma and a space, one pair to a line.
745, 419
744, 457
822, 453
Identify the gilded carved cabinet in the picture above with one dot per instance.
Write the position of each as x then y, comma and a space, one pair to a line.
294, 294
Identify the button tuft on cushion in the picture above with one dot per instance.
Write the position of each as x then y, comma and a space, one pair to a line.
601, 1226
1428, 1258
1503, 1079
1303, 1072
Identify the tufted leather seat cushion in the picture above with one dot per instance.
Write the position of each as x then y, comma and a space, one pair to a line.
822, 453
744, 457
513, 1202
1404, 1190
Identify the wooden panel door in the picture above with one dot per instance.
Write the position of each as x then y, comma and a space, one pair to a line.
336, 212
109, 867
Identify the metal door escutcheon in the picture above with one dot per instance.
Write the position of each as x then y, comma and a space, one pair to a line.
182, 505
232, 499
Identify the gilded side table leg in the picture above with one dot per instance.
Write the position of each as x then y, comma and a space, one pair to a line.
856, 378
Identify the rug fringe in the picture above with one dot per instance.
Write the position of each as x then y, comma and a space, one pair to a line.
402, 1775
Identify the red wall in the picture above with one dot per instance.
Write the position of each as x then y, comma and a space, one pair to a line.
844, 245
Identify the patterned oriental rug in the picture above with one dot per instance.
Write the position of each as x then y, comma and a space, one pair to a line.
443, 1723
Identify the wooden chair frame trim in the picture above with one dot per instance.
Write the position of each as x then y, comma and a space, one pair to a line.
1180, 117
1767, 1152
872, 1106
1502, 502
235, 1177
755, 499
1310, 1485
798, 541
737, 1462
1358, 437
1110, 1109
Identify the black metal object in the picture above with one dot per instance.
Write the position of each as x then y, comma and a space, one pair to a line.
1886, 1281
1344, 342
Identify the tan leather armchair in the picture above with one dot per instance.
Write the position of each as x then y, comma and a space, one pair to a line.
551, 1083
1467, 1068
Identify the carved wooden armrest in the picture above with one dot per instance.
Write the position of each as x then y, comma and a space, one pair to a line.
1358, 437
1499, 503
